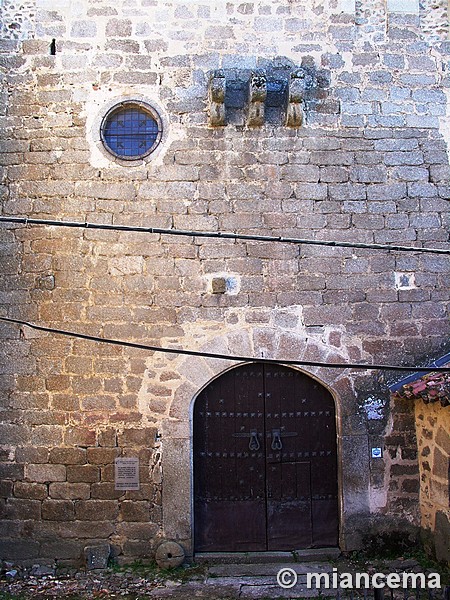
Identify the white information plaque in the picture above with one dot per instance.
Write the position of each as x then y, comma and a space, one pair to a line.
126, 474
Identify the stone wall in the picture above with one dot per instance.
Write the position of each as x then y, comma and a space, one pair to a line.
369, 164
433, 435
403, 478
61, 496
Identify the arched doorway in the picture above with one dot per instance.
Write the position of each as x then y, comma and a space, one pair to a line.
265, 462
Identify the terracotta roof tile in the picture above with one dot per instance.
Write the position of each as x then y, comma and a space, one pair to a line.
432, 387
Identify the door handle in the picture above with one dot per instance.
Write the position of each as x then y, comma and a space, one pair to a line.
277, 434
253, 444
276, 440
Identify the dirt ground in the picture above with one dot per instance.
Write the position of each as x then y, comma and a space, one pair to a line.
205, 582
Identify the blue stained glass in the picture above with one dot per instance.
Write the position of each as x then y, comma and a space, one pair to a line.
130, 132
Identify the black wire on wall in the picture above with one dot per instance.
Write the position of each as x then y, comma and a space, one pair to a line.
232, 357
221, 235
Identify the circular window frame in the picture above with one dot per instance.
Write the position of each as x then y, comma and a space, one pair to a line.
131, 103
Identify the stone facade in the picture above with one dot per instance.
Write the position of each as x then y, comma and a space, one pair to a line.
367, 162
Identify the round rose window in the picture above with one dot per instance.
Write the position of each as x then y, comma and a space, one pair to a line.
131, 130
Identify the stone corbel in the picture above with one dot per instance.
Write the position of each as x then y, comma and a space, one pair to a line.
216, 99
296, 91
256, 99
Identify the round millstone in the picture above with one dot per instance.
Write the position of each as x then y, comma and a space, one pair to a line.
169, 555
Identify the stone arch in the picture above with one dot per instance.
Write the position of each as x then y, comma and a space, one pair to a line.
198, 372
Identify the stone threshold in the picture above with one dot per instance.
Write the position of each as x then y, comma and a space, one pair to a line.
298, 556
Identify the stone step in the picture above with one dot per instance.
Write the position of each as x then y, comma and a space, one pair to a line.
261, 586
274, 591
260, 580
308, 555
240, 570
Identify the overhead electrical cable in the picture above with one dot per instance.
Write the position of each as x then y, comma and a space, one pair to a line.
222, 235
231, 357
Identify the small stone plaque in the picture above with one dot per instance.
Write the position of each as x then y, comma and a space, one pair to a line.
126, 474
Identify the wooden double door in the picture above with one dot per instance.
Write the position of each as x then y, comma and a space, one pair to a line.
265, 462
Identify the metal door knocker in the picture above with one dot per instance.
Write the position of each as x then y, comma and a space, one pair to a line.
276, 440
277, 434
254, 442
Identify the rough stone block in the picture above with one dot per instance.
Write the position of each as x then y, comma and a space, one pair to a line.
66, 403
138, 531
440, 464
137, 437
347, 191
11, 434
29, 455
21, 509
102, 456
118, 28
442, 535
411, 486
89, 510
107, 438
132, 510
105, 491
84, 530
79, 436
19, 549
307, 173
83, 29
62, 550
403, 6
116, 191
97, 557
70, 491
334, 174
443, 440
136, 78
6, 489
423, 190
363, 174
83, 473
47, 435
68, 456
30, 491
43, 473
57, 510
125, 46
139, 549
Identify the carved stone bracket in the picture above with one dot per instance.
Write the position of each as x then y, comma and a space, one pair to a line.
256, 99
296, 91
216, 99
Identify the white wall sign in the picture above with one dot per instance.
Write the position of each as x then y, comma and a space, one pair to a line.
126, 474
